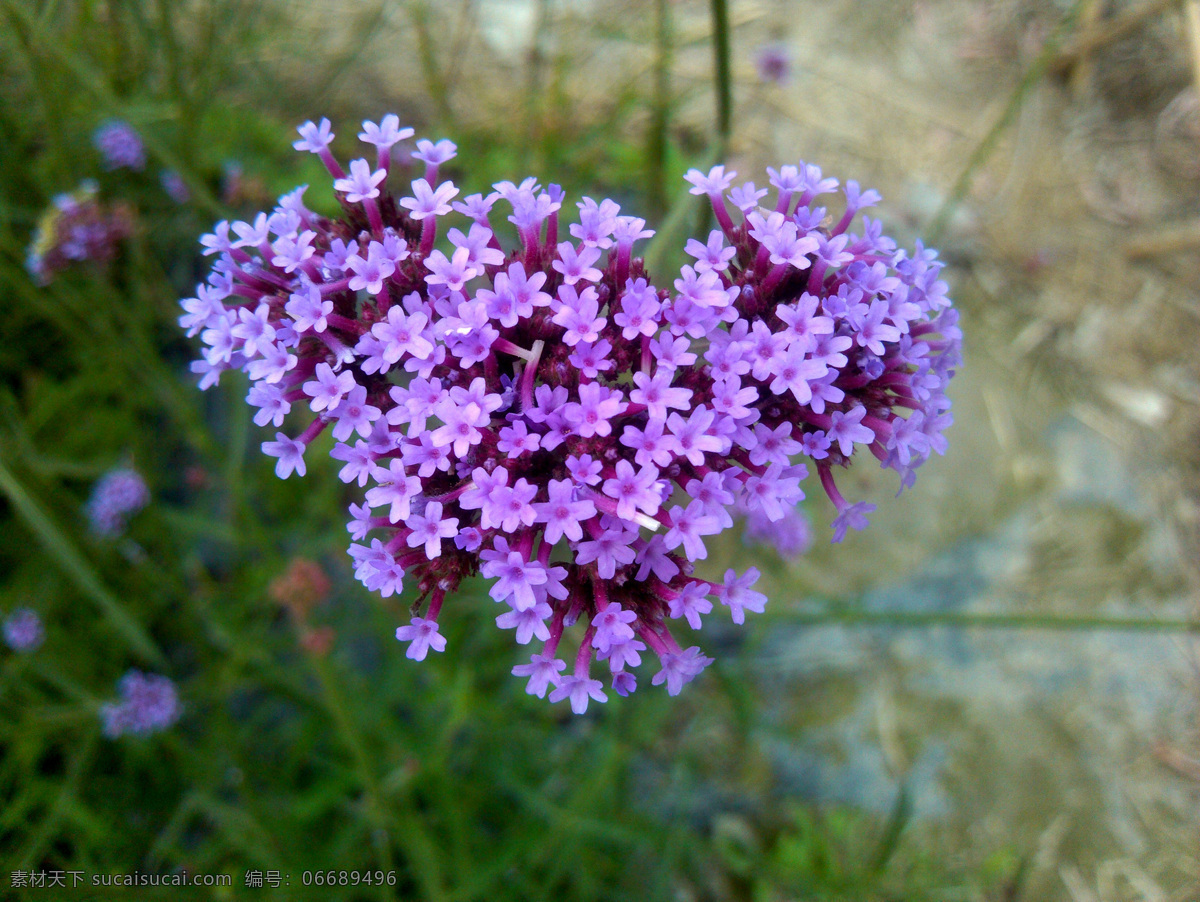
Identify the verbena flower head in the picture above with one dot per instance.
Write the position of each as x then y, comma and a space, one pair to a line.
147, 704
120, 145
116, 496
23, 630
549, 417
74, 229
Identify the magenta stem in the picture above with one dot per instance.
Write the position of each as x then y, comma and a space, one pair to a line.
428, 234
331, 164
722, 214
435, 605
583, 660
373, 216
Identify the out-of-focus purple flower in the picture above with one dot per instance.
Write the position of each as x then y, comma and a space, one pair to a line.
790, 536
23, 630
773, 62
76, 228
120, 145
173, 183
116, 496
147, 704
545, 416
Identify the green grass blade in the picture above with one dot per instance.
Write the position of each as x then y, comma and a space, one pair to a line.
75, 565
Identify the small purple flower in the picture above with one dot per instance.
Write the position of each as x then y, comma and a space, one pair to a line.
846, 428
716, 182
634, 489
790, 536
715, 255
679, 668
172, 183
563, 514
854, 516
435, 154
577, 314
23, 630
690, 603
372, 271
529, 624
688, 526
739, 597
118, 495
75, 229
395, 489
327, 390
148, 704
746, 197
386, 134
657, 393
422, 635
428, 202
314, 138
596, 407
362, 184
773, 63
579, 689
120, 145
543, 672
577, 266
584, 470
290, 454
453, 272
611, 549
612, 626
515, 578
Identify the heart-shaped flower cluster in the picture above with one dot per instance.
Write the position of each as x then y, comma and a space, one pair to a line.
549, 418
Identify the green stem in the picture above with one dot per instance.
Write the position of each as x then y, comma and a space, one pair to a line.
535, 77
656, 138
724, 80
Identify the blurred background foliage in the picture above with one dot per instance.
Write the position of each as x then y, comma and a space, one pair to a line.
307, 740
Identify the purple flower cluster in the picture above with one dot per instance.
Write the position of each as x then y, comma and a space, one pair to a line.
147, 704
548, 418
116, 496
76, 228
120, 145
23, 630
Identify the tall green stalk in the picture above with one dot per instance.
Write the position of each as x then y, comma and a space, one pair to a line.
724, 80
656, 139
